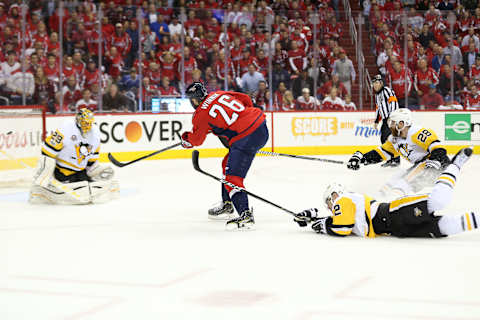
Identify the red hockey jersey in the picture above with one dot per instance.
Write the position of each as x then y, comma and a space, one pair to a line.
225, 113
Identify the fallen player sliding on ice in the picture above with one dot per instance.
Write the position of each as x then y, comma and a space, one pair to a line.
409, 216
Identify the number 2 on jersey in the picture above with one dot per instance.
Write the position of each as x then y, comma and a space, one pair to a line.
229, 102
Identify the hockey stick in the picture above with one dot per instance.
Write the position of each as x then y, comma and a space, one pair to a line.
123, 164
53, 181
195, 155
268, 153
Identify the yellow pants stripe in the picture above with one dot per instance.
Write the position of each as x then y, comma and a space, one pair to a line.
396, 204
469, 223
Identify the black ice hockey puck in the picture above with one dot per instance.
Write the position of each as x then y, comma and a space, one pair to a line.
9, 132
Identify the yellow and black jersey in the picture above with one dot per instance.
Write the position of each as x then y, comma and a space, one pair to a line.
417, 146
352, 213
72, 151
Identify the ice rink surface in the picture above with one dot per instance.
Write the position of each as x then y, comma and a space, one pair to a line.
153, 254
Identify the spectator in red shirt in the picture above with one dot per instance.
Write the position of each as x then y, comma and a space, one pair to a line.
278, 96
153, 73
115, 63
149, 90
424, 76
306, 102
168, 66
51, 69
166, 89
71, 92
189, 64
296, 58
44, 93
431, 100
86, 101
332, 102
288, 102
121, 40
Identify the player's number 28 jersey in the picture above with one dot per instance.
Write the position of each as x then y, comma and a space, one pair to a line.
418, 144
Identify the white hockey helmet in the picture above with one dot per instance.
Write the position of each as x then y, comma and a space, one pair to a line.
331, 188
402, 114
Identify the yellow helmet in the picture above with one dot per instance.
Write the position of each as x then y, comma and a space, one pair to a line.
84, 119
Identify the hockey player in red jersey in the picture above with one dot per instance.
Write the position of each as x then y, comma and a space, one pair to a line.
232, 117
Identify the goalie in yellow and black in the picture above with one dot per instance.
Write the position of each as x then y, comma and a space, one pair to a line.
419, 145
68, 171
409, 216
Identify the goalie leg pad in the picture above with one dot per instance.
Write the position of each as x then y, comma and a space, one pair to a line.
60, 193
104, 191
44, 171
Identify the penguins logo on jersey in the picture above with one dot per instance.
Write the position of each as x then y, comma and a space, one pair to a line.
83, 150
403, 150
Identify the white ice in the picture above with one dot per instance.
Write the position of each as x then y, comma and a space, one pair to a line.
153, 254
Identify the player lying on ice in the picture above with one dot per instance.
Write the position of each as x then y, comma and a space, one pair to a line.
409, 216
417, 144
230, 115
68, 171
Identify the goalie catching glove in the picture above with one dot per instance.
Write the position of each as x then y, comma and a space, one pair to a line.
185, 143
306, 216
355, 161
99, 172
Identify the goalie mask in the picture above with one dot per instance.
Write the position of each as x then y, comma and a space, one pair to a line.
332, 188
84, 120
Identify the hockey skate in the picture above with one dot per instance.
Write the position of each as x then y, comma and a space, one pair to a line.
394, 162
224, 211
244, 222
462, 156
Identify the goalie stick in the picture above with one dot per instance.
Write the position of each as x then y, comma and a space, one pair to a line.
54, 182
277, 154
196, 166
123, 164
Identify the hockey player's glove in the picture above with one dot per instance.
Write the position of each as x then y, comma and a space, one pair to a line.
306, 216
185, 143
355, 161
434, 164
320, 225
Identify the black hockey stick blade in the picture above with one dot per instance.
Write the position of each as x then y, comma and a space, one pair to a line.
269, 153
123, 164
196, 166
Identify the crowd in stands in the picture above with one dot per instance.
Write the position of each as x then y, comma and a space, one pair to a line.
439, 67
119, 52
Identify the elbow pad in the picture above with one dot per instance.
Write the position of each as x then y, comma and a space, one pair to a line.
372, 157
440, 154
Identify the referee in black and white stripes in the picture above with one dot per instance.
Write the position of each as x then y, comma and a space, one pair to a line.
386, 101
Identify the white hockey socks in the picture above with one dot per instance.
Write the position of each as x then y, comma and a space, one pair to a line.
449, 225
442, 192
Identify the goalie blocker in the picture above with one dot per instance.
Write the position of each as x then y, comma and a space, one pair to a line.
68, 171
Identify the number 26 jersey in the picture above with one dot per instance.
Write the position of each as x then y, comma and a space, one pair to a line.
225, 113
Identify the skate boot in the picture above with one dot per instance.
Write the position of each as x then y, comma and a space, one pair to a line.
462, 156
224, 211
394, 162
244, 222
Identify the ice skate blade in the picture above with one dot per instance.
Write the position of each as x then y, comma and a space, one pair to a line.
239, 227
222, 217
